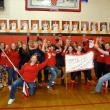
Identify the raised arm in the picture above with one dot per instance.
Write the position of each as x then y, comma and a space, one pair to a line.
99, 49
44, 45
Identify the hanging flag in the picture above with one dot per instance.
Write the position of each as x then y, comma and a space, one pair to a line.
79, 62
25, 89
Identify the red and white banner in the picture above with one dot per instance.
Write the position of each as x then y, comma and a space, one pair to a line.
79, 62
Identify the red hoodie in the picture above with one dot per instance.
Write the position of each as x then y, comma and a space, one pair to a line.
14, 57
29, 73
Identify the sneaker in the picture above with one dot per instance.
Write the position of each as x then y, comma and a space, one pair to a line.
9, 87
53, 83
51, 91
95, 92
1, 85
48, 87
73, 82
11, 101
91, 82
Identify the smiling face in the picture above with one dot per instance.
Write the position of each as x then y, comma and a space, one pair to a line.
70, 49
107, 46
24, 46
79, 48
33, 59
36, 45
2, 45
20, 43
13, 46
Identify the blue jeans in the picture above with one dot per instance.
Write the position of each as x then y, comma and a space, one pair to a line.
104, 78
12, 75
19, 83
54, 73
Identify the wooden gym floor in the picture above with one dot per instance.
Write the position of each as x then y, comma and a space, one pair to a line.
72, 98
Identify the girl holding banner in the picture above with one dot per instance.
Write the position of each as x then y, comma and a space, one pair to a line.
69, 50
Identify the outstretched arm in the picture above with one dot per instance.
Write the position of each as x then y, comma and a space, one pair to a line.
41, 65
102, 51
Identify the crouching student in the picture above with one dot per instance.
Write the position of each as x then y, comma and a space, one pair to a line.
29, 72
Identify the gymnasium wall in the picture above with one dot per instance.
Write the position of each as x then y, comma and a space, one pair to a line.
94, 10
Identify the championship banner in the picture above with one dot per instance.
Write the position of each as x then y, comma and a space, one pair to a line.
79, 62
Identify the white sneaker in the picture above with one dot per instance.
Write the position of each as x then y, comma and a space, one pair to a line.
53, 83
11, 101
48, 87
1, 85
9, 87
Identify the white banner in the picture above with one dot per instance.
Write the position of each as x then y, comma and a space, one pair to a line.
79, 62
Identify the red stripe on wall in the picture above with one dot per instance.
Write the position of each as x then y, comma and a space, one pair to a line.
9, 39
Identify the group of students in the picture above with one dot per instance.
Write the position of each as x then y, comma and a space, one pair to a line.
32, 58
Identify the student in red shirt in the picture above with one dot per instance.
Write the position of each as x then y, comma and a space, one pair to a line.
2, 66
107, 61
15, 58
77, 73
28, 72
73, 51
87, 73
100, 60
107, 58
105, 77
51, 65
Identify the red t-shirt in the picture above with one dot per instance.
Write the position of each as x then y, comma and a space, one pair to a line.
87, 49
2, 59
51, 56
29, 73
107, 58
14, 57
100, 57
